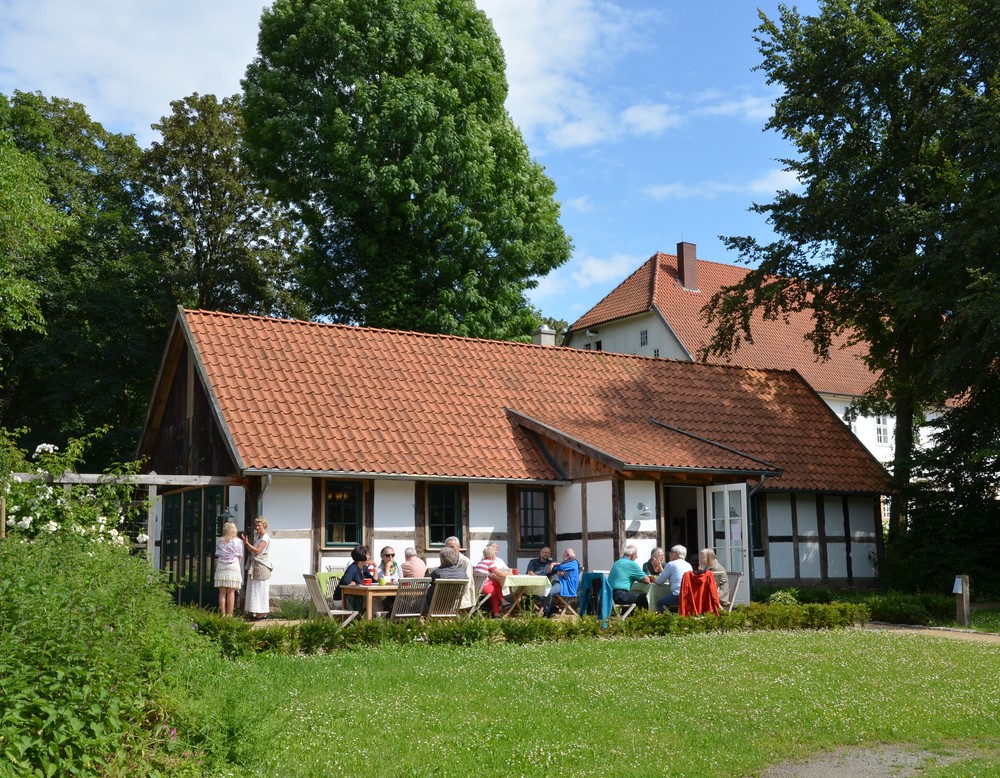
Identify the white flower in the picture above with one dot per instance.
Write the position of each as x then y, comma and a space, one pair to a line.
51, 526
10, 522
25, 523
142, 537
45, 448
113, 533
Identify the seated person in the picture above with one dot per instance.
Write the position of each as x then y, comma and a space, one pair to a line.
414, 566
568, 577
388, 569
623, 574
673, 573
448, 568
495, 575
654, 565
355, 573
540, 566
708, 562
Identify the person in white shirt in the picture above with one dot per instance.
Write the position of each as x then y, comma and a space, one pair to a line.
673, 572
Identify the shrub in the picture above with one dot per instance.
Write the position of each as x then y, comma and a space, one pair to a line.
784, 597
87, 633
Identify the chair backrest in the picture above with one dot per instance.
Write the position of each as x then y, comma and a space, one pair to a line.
734, 586
447, 598
316, 595
408, 603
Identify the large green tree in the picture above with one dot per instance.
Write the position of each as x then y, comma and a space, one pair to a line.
884, 102
105, 308
384, 124
223, 243
29, 226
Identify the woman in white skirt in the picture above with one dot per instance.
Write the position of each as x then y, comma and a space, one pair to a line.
229, 568
258, 571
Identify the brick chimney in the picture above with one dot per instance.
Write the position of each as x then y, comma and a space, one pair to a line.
687, 266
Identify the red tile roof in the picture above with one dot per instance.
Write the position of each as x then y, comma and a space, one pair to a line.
301, 396
777, 344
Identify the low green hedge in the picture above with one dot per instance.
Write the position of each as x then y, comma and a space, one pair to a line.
235, 638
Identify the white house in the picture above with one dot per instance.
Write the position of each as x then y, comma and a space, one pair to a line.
348, 435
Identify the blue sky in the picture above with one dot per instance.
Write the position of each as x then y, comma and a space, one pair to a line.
646, 113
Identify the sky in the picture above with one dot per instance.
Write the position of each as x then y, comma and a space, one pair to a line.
647, 114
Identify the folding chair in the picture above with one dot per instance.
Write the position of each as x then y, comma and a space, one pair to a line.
622, 611
409, 599
446, 600
734, 586
319, 601
478, 581
564, 606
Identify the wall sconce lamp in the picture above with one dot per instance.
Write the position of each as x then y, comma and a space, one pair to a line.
229, 512
643, 509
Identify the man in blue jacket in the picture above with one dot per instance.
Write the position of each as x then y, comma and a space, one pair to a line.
568, 581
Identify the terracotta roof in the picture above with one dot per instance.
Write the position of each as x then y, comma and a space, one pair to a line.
779, 344
301, 396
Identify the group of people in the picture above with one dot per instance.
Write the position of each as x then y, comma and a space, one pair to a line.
627, 571
229, 548
236, 553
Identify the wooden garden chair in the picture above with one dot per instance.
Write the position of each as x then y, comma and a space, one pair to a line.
408, 602
482, 598
446, 600
734, 586
322, 605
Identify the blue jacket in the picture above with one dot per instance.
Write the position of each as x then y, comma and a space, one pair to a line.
569, 583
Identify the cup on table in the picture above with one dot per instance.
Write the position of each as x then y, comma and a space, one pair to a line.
513, 571
366, 581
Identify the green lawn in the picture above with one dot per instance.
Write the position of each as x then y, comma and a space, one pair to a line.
709, 705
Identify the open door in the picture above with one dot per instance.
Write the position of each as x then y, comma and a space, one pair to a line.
727, 531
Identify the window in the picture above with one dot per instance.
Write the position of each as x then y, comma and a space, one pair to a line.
342, 511
886, 509
532, 518
656, 352
882, 430
848, 419
597, 345
444, 513
643, 337
586, 347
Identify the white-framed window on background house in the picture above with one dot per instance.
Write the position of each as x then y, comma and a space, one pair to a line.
643, 337
343, 503
882, 430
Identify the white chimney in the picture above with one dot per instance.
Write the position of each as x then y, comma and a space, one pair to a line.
544, 336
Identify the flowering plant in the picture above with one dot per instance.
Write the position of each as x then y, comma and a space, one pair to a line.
43, 494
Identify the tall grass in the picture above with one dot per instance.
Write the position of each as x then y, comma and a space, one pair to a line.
719, 704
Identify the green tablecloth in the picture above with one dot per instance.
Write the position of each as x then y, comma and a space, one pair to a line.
654, 592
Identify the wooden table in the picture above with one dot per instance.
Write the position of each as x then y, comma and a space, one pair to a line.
369, 593
537, 584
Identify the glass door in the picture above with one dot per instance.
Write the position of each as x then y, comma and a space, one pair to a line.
727, 518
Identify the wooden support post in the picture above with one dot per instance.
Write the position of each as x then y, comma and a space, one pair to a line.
961, 592
151, 524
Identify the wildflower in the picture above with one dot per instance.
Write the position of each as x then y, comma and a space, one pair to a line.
25, 523
142, 537
10, 522
51, 526
44, 448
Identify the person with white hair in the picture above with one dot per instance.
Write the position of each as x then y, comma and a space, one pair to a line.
624, 573
673, 572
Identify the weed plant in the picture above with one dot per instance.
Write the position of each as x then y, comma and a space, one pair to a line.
88, 636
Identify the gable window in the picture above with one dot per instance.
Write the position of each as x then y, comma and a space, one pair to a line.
882, 430
643, 337
597, 346
342, 512
444, 513
532, 518
656, 352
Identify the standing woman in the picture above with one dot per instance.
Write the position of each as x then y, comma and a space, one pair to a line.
229, 570
258, 570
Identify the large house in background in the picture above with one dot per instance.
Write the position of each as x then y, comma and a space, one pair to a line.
343, 435
657, 312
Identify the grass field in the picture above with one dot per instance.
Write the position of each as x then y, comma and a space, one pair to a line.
712, 705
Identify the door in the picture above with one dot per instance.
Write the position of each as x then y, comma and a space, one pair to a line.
727, 531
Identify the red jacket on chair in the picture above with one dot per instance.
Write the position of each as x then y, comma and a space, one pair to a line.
698, 594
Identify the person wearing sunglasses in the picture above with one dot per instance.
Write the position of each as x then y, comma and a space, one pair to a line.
388, 570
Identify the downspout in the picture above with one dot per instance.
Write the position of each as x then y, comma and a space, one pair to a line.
265, 485
754, 490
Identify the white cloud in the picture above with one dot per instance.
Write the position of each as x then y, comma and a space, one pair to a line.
650, 118
768, 184
125, 62
747, 107
589, 271
579, 204
553, 49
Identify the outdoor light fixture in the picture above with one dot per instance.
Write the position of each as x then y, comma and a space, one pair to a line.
229, 512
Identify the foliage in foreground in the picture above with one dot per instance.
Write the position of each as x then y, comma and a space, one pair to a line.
88, 642
237, 639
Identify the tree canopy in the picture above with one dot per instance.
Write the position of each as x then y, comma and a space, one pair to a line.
223, 244
384, 125
891, 106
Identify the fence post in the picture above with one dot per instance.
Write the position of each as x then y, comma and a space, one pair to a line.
961, 592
